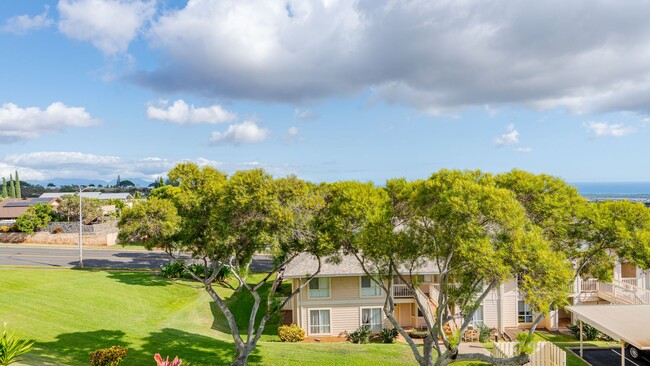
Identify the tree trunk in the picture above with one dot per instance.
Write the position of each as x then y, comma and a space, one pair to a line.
241, 357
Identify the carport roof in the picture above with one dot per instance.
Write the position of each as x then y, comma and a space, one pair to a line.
629, 323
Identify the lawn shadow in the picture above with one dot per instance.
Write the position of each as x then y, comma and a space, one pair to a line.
139, 278
193, 348
73, 348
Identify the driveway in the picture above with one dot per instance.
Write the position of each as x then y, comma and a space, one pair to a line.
24, 255
608, 357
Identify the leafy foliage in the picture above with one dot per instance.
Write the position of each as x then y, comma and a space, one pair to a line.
11, 347
525, 343
484, 333
291, 333
111, 356
35, 217
589, 333
69, 208
361, 335
388, 335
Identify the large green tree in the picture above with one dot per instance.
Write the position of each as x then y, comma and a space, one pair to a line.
12, 189
18, 191
475, 233
69, 208
222, 221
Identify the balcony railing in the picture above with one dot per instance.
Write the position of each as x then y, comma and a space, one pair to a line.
402, 290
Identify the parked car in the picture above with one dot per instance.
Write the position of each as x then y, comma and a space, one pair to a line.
636, 353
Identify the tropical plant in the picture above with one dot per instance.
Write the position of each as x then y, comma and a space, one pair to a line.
11, 347
484, 333
589, 333
291, 333
35, 217
361, 335
388, 335
166, 362
111, 356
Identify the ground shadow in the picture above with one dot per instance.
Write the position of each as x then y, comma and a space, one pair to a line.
139, 278
73, 348
193, 348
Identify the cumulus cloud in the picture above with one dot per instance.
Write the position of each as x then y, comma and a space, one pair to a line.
292, 131
77, 165
182, 113
436, 56
600, 129
22, 24
19, 124
109, 25
245, 132
304, 114
510, 137
524, 150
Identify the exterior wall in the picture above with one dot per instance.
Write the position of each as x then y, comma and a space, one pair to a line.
73, 227
510, 299
61, 238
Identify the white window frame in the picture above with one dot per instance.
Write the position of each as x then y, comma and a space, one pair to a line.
382, 316
480, 310
320, 325
530, 313
329, 289
373, 284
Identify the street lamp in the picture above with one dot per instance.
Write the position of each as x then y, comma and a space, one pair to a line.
81, 253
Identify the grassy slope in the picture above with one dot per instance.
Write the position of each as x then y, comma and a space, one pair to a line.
70, 313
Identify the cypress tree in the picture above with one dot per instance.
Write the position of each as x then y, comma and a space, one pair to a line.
117, 183
19, 193
12, 190
4, 188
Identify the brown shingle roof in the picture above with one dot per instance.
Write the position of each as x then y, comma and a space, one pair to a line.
9, 211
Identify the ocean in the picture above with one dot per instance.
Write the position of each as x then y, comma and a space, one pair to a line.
596, 191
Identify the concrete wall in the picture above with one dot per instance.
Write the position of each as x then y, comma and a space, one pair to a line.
42, 237
73, 227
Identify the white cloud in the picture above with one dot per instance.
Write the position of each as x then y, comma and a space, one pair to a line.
77, 165
436, 56
524, 150
600, 129
109, 25
511, 137
22, 24
18, 124
246, 132
292, 131
304, 114
182, 113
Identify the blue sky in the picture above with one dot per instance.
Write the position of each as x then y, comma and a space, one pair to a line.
325, 89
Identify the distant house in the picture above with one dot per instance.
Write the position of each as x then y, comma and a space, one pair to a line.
96, 195
12, 208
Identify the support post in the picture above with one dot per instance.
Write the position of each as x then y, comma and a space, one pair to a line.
581, 350
622, 353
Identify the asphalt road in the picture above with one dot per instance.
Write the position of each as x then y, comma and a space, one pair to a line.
23, 255
609, 357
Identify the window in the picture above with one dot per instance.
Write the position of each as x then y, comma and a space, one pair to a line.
319, 321
477, 319
525, 314
372, 317
369, 287
319, 288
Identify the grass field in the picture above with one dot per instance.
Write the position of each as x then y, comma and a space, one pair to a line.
70, 313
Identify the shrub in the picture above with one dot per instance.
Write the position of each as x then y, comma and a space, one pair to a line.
35, 217
172, 270
525, 344
361, 335
11, 348
419, 334
484, 333
57, 230
291, 333
589, 333
112, 356
388, 335
5, 229
166, 362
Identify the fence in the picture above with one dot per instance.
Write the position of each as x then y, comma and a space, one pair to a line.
545, 354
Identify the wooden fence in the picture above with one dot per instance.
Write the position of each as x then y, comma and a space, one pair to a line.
545, 354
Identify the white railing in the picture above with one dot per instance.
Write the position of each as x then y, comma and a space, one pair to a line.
589, 285
545, 354
630, 281
619, 292
434, 290
402, 290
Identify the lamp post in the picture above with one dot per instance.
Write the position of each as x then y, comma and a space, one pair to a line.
81, 253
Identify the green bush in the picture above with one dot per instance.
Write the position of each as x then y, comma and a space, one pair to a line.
419, 334
112, 356
589, 333
172, 270
388, 335
361, 335
176, 270
11, 348
35, 217
484, 333
291, 333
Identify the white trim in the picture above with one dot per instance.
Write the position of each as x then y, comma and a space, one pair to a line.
381, 291
309, 310
383, 316
329, 287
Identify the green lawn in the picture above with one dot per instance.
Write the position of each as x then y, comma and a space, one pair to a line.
71, 312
